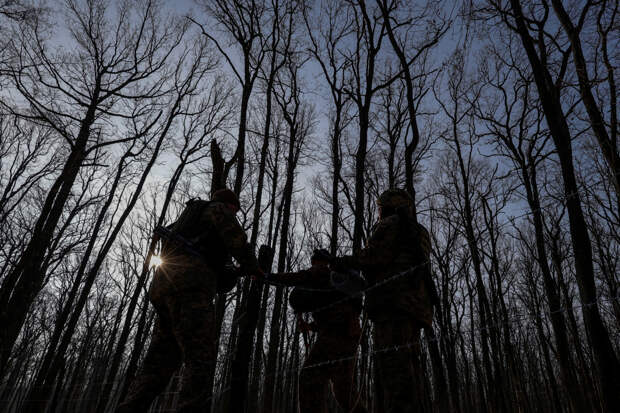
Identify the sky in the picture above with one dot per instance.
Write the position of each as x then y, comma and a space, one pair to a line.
316, 88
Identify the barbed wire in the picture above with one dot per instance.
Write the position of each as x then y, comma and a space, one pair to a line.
269, 282
513, 318
509, 221
388, 280
399, 347
406, 346
361, 293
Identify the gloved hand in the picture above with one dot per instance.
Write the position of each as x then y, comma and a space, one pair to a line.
257, 274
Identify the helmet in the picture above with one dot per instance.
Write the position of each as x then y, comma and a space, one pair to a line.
321, 255
227, 196
394, 198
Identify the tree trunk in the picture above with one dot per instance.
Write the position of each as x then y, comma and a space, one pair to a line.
251, 301
360, 169
483, 301
240, 152
551, 291
144, 323
274, 333
337, 166
241, 361
608, 145
27, 274
413, 122
606, 360
37, 392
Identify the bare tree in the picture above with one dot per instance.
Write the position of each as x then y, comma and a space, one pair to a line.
420, 38
242, 20
606, 132
325, 42
299, 118
535, 25
105, 136
461, 130
368, 32
129, 65
516, 123
284, 22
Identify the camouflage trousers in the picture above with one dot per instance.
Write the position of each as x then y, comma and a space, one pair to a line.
184, 333
398, 368
314, 380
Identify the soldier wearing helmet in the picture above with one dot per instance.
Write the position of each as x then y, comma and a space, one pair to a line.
392, 199
182, 293
338, 335
397, 253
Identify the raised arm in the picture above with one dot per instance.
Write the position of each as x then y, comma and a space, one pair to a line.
380, 249
232, 235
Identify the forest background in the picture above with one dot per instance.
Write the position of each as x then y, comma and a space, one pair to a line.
499, 116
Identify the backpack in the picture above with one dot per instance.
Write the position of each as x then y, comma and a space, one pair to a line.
187, 227
421, 239
186, 224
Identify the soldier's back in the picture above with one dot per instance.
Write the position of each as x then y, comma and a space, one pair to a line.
403, 292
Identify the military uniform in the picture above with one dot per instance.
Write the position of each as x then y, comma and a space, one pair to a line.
402, 306
182, 293
338, 335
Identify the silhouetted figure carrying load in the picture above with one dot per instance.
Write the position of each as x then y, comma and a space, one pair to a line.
195, 253
397, 252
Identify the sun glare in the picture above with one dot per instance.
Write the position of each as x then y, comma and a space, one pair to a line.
156, 261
